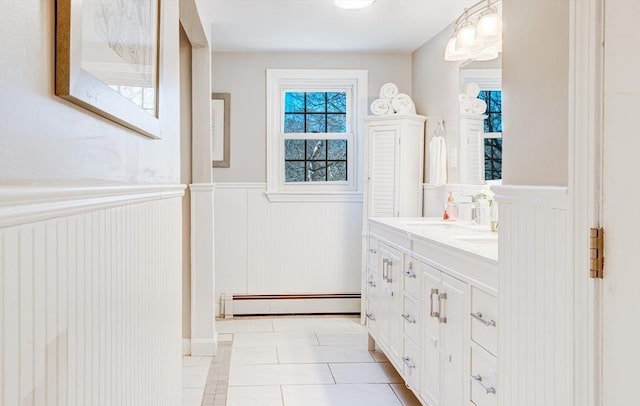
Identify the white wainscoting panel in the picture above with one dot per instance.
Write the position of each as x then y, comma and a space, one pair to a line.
267, 247
535, 305
90, 299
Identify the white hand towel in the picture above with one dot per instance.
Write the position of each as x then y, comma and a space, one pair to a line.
381, 107
388, 91
402, 103
437, 161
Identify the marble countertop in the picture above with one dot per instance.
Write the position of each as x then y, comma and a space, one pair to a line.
474, 239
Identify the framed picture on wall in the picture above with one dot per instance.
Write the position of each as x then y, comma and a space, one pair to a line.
107, 60
220, 129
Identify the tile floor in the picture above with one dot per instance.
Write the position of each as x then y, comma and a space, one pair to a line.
296, 361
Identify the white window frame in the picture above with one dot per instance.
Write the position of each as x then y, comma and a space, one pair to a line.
280, 81
487, 80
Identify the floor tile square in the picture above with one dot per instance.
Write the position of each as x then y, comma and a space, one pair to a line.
192, 396
254, 355
244, 325
290, 374
254, 396
311, 324
196, 361
365, 373
322, 354
349, 338
339, 395
194, 377
273, 339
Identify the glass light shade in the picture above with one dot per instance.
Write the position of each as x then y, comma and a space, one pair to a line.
489, 28
486, 55
465, 39
450, 53
353, 4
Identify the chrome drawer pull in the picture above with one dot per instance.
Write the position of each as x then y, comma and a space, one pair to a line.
409, 274
441, 299
407, 361
489, 389
478, 316
372, 251
408, 318
372, 284
371, 317
431, 312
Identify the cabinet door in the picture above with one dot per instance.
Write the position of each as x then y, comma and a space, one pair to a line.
455, 308
394, 284
430, 371
383, 171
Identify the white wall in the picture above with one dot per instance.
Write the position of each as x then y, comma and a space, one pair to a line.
535, 81
435, 89
78, 350
280, 248
90, 296
243, 75
44, 138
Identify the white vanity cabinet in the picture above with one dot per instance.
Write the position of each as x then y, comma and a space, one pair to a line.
433, 310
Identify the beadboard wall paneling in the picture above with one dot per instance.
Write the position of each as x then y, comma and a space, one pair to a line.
91, 300
278, 248
535, 342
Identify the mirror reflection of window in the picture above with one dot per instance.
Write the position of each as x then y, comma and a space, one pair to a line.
488, 76
492, 134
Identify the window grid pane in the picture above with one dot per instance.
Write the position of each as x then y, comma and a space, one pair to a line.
315, 112
308, 160
493, 122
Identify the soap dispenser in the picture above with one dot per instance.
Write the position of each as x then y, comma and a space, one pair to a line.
450, 209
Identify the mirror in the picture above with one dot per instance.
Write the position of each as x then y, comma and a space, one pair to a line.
480, 142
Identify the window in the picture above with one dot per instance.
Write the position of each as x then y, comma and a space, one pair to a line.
313, 134
492, 134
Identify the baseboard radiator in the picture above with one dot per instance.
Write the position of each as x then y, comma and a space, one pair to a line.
303, 303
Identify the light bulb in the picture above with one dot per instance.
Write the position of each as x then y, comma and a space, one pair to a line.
489, 28
465, 38
450, 53
353, 4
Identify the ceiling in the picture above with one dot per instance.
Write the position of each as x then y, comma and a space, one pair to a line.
317, 25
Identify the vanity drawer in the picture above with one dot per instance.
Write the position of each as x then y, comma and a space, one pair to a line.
484, 320
483, 377
410, 319
410, 364
410, 278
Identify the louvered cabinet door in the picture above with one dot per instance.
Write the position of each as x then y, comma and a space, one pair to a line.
383, 168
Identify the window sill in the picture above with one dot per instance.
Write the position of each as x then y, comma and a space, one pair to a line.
279, 196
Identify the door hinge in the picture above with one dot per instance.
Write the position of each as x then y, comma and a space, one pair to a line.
596, 253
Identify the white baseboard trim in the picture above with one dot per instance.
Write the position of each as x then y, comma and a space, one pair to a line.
186, 346
28, 204
204, 347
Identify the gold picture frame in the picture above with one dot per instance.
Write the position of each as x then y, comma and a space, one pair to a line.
107, 60
221, 130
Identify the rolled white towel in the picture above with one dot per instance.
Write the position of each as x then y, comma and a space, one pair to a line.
478, 106
472, 90
465, 103
402, 103
381, 107
388, 91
